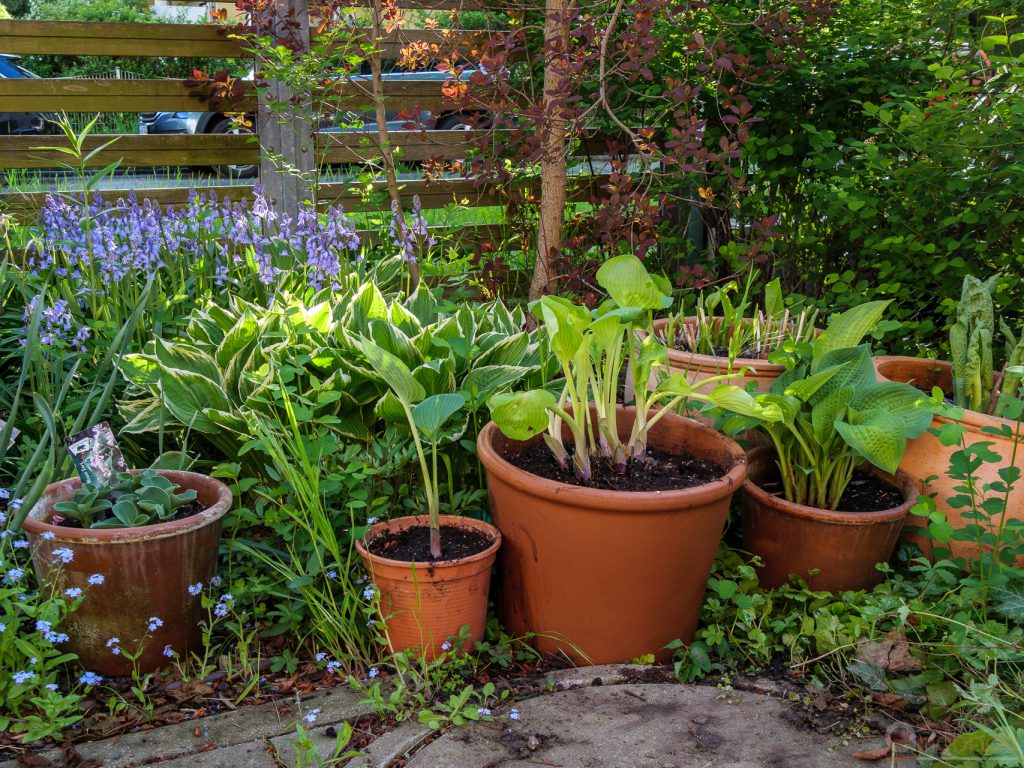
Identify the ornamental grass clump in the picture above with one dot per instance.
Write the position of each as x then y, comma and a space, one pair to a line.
591, 347
828, 414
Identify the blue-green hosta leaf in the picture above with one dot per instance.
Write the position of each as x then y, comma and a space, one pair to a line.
848, 328
521, 415
393, 373
242, 334
900, 400
629, 284
185, 357
431, 414
876, 435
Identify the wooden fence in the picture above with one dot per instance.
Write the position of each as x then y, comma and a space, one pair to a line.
187, 151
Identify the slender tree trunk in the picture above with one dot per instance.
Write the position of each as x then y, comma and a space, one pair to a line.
553, 143
387, 159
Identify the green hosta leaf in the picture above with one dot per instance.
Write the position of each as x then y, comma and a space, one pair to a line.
391, 339
848, 328
484, 381
521, 415
431, 414
805, 389
241, 335
738, 401
900, 400
185, 357
607, 331
393, 372
858, 370
141, 370
563, 323
827, 410
187, 395
368, 304
876, 435
630, 285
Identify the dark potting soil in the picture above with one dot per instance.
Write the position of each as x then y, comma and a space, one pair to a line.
660, 472
413, 544
865, 493
187, 509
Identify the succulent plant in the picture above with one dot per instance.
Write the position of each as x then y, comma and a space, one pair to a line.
133, 500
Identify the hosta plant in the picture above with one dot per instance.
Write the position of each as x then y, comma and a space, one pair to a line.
591, 348
144, 498
971, 340
828, 413
741, 328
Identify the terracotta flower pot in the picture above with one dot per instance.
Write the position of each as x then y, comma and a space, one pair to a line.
927, 457
425, 603
795, 539
146, 573
606, 576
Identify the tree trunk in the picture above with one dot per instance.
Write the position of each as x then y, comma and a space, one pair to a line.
553, 144
387, 159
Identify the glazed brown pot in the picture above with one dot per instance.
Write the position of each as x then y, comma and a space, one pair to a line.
927, 457
146, 573
793, 539
426, 603
606, 576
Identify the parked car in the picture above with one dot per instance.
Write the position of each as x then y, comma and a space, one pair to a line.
216, 122
22, 123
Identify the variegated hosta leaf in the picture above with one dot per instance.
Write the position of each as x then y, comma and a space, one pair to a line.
521, 415
242, 334
187, 358
876, 435
393, 373
391, 339
484, 381
431, 414
141, 370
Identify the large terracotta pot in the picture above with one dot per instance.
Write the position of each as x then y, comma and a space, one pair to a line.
606, 576
146, 573
843, 547
426, 603
927, 457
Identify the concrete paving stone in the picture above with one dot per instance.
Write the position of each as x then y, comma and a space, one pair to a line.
639, 726
393, 744
603, 674
251, 754
239, 726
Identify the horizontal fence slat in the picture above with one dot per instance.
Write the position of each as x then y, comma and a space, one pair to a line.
433, 194
86, 38
66, 95
135, 151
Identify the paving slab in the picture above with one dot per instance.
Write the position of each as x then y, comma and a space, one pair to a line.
241, 726
639, 726
250, 755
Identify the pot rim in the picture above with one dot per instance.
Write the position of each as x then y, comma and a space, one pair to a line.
611, 500
901, 481
409, 521
33, 526
974, 419
679, 357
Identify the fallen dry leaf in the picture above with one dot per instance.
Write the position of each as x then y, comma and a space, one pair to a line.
891, 653
895, 735
890, 700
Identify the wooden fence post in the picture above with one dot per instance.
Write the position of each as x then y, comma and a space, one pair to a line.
287, 137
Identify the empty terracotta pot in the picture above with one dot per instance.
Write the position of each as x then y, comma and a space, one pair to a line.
606, 576
927, 457
146, 573
793, 539
425, 603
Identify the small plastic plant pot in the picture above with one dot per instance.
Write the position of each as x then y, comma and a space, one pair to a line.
927, 460
832, 550
423, 604
605, 576
146, 573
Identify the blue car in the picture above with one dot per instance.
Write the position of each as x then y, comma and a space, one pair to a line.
23, 123
215, 122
